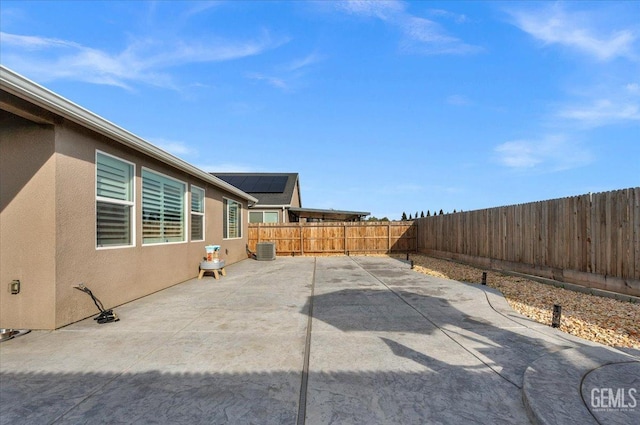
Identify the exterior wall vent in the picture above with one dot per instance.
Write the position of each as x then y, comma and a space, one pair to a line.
266, 251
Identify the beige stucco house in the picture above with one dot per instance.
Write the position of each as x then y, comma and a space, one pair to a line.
85, 201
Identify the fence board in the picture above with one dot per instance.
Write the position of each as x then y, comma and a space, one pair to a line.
336, 238
594, 234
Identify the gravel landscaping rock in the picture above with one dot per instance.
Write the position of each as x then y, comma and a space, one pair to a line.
607, 321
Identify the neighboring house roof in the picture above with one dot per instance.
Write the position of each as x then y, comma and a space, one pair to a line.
25, 89
328, 214
271, 189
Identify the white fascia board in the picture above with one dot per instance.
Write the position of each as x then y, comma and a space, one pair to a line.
30, 91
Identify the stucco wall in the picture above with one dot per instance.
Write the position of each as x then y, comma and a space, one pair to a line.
27, 223
48, 228
295, 199
119, 275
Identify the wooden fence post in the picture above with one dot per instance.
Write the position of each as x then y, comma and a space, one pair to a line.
345, 238
301, 230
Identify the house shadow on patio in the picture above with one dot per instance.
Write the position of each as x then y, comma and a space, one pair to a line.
467, 366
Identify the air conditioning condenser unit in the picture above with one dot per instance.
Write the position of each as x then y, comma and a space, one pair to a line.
266, 251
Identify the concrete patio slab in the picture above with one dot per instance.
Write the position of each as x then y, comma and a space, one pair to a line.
386, 345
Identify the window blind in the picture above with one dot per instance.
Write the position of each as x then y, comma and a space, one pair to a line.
197, 214
231, 219
114, 201
162, 209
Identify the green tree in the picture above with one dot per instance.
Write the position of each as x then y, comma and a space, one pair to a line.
374, 218
404, 216
421, 214
441, 212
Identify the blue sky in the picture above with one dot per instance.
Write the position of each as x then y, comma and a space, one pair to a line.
379, 106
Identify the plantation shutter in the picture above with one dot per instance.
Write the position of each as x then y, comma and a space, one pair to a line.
197, 213
162, 209
231, 219
114, 201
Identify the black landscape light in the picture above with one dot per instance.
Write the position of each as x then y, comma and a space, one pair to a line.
557, 313
484, 278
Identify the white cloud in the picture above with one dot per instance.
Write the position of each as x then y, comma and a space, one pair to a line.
422, 35
201, 6
518, 154
554, 25
304, 62
372, 8
458, 18
602, 112
551, 153
177, 148
142, 61
288, 74
272, 81
632, 88
426, 36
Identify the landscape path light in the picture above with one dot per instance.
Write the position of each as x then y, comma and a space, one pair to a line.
557, 314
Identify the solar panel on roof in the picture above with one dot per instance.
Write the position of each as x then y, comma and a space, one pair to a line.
247, 184
262, 186
258, 184
278, 184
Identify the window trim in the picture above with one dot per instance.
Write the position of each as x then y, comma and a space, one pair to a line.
225, 213
131, 204
263, 212
202, 214
185, 207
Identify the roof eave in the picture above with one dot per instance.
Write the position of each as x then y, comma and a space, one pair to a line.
28, 90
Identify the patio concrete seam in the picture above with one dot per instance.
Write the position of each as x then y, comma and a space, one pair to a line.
88, 396
584, 377
545, 331
436, 326
552, 391
304, 383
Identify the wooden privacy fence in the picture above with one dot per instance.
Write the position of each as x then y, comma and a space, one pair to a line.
591, 239
335, 238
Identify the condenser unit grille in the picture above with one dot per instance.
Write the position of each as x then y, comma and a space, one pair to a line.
266, 251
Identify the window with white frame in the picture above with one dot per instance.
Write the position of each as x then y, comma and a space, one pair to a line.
232, 219
163, 208
197, 214
114, 201
263, 216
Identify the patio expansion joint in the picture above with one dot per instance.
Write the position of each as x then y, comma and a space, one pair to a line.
440, 328
304, 382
